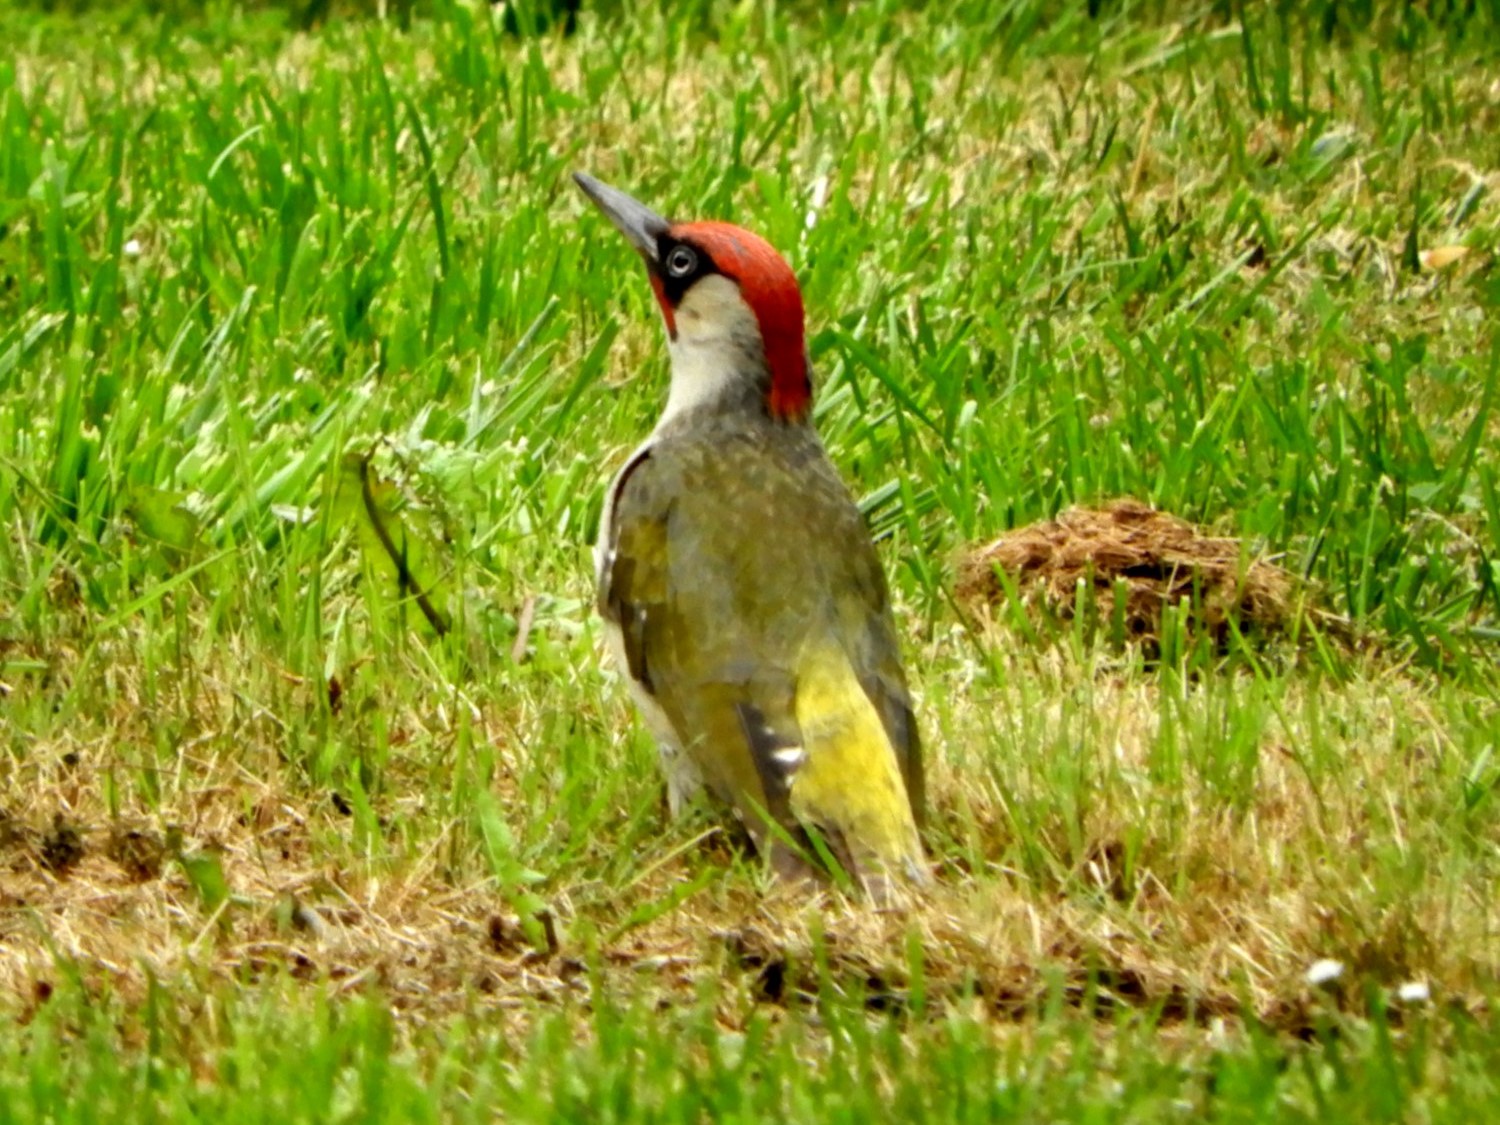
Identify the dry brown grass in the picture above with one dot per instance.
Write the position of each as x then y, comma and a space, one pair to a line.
1131, 562
1200, 898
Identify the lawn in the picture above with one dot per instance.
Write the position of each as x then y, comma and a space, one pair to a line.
290, 831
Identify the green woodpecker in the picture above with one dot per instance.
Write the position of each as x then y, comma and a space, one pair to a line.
737, 581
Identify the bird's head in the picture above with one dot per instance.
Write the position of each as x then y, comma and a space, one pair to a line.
732, 307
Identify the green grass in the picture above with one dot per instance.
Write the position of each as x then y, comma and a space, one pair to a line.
274, 846
350, 1061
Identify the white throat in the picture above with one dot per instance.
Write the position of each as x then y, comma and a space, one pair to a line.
718, 358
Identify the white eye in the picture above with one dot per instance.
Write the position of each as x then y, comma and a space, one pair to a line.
681, 261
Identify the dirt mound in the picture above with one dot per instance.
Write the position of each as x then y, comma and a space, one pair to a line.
1135, 561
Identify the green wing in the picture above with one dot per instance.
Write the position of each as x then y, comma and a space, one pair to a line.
633, 572
679, 651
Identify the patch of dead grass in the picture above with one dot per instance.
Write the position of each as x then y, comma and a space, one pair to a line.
1133, 561
1159, 896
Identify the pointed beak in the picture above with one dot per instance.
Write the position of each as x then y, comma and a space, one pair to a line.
636, 221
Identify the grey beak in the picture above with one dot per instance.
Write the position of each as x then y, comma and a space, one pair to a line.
636, 221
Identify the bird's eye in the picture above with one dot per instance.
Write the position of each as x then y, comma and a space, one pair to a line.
681, 261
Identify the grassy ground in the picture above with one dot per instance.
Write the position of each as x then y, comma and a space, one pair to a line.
274, 847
